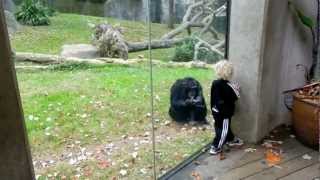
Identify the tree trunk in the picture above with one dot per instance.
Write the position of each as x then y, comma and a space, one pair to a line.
45, 59
155, 44
171, 17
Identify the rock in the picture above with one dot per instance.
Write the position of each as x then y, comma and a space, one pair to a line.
84, 51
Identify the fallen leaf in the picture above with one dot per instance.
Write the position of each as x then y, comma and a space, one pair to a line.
250, 150
87, 172
135, 155
292, 136
166, 123
307, 157
277, 166
103, 164
197, 162
123, 172
196, 175
222, 156
72, 161
146, 134
143, 171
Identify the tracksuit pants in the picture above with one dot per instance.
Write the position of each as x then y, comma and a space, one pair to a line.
223, 131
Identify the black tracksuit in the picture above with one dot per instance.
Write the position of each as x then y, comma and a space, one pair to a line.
223, 98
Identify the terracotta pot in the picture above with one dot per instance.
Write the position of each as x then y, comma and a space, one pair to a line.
306, 119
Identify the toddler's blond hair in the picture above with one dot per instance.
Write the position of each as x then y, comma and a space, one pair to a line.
224, 69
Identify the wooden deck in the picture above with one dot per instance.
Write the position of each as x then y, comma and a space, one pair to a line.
252, 165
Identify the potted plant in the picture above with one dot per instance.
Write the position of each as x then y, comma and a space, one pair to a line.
306, 100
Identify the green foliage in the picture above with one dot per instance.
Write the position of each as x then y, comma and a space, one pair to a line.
184, 51
72, 67
209, 56
88, 105
314, 71
74, 29
305, 20
32, 12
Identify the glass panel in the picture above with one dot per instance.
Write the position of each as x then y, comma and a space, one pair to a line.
86, 105
188, 37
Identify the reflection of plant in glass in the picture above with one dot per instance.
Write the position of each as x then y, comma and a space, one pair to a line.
199, 20
314, 72
189, 51
32, 12
184, 51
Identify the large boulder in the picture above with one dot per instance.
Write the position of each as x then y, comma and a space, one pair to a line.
83, 51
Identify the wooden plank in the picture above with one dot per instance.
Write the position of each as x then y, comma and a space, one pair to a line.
210, 166
308, 173
285, 168
293, 149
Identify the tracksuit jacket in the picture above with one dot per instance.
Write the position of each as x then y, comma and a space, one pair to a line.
224, 94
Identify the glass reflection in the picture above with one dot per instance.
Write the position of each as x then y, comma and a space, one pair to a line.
84, 81
192, 37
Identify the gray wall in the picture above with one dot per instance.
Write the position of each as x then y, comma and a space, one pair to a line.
288, 43
247, 28
266, 43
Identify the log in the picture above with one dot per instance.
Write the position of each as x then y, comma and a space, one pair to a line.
37, 58
54, 60
32, 67
155, 44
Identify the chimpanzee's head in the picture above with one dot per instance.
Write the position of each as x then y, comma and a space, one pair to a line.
192, 92
191, 87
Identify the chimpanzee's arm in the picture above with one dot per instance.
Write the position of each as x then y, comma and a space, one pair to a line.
180, 101
199, 101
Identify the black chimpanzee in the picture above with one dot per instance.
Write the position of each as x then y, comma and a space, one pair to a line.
187, 102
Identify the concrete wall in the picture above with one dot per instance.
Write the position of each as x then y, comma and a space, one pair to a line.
266, 43
245, 51
288, 43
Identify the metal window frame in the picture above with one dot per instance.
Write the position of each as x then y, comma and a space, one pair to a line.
202, 150
15, 156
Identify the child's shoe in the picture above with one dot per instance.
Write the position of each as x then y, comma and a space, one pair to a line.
214, 150
235, 142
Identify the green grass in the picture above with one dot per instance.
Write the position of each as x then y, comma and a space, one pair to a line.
71, 107
98, 105
73, 29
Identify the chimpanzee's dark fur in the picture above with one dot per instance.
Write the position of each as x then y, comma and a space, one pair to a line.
187, 102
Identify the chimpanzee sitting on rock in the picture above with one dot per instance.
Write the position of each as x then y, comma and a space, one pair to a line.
187, 103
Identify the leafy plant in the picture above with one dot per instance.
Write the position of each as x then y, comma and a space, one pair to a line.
32, 12
314, 27
208, 56
184, 51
